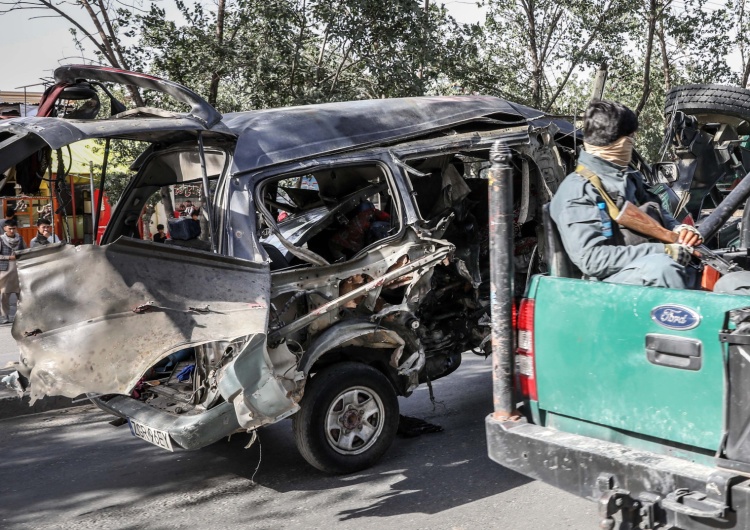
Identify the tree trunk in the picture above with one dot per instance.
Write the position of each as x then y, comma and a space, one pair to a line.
298, 48
647, 60
425, 29
599, 81
115, 43
213, 89
537, 72
665, 65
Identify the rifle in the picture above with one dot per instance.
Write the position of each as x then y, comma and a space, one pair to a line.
634, 219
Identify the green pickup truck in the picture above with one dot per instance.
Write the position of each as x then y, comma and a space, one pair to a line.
637, 398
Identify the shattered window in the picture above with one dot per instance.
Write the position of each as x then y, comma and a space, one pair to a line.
335, 213
168, 191
452, 198
173, 206
450, 184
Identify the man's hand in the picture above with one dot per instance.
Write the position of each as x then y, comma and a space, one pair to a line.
688, 235
680, 253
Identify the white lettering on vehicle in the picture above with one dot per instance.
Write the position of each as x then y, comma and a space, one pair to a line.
670, 316
675, 317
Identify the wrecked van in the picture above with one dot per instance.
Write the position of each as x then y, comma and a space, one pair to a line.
342, 262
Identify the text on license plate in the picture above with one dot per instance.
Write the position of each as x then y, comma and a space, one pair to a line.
154, 436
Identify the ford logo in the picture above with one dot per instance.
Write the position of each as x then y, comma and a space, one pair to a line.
675, 317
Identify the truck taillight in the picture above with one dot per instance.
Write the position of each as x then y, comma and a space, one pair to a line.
525, 349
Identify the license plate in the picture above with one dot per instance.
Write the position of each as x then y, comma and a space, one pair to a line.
151, 435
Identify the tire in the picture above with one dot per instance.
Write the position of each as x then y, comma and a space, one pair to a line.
713, 101
319, 425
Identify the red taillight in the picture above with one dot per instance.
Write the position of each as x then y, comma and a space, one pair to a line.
525, 349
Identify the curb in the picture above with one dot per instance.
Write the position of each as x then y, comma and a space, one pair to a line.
11, 406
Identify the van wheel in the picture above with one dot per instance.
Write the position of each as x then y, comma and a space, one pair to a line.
348, 418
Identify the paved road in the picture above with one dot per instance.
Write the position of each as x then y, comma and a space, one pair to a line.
71, 468
8, 347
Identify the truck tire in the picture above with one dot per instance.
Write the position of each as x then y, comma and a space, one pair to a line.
713, 101
352, 395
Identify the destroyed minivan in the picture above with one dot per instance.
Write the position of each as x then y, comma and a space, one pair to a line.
342, 262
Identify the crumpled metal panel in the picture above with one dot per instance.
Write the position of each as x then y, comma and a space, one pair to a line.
255, 389
274, 136
28, 135
93, 319
200, 108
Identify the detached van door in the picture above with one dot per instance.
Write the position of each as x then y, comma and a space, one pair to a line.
94, 319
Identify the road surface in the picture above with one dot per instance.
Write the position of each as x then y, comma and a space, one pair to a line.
72, 469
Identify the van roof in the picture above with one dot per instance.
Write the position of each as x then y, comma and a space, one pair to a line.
275, 136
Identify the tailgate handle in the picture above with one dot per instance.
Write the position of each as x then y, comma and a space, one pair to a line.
693, 504
674, 352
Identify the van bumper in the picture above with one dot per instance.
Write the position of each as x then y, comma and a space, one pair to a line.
189, 431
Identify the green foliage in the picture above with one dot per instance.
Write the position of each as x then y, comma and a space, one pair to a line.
530, 49
251, 54
296, 52
121, 155
699, 33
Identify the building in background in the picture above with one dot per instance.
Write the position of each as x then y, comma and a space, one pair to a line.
14, 104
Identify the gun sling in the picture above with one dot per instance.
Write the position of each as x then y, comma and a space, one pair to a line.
612, 209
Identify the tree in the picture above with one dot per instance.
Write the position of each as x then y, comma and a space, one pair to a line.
697, 38
691, 42
531, 48
296, 52
91, 21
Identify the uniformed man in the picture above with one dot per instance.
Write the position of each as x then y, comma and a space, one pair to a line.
594, 242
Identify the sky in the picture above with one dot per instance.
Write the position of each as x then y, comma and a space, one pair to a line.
32, 49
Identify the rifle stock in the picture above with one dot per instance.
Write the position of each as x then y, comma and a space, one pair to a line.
634, 219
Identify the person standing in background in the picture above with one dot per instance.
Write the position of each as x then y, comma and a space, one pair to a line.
10, 243
189, 208
44, 234
10, 213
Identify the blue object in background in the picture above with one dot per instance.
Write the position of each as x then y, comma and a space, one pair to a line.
185, 373
606, 221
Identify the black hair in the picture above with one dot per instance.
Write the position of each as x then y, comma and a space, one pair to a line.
42, 221
606, 121
11, 222
160, 227
10, 212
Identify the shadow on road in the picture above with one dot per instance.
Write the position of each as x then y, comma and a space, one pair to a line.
427, 474
72, 464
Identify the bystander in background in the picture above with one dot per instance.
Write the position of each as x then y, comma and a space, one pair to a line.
10, 243
44, 234
10, 213
159, 236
